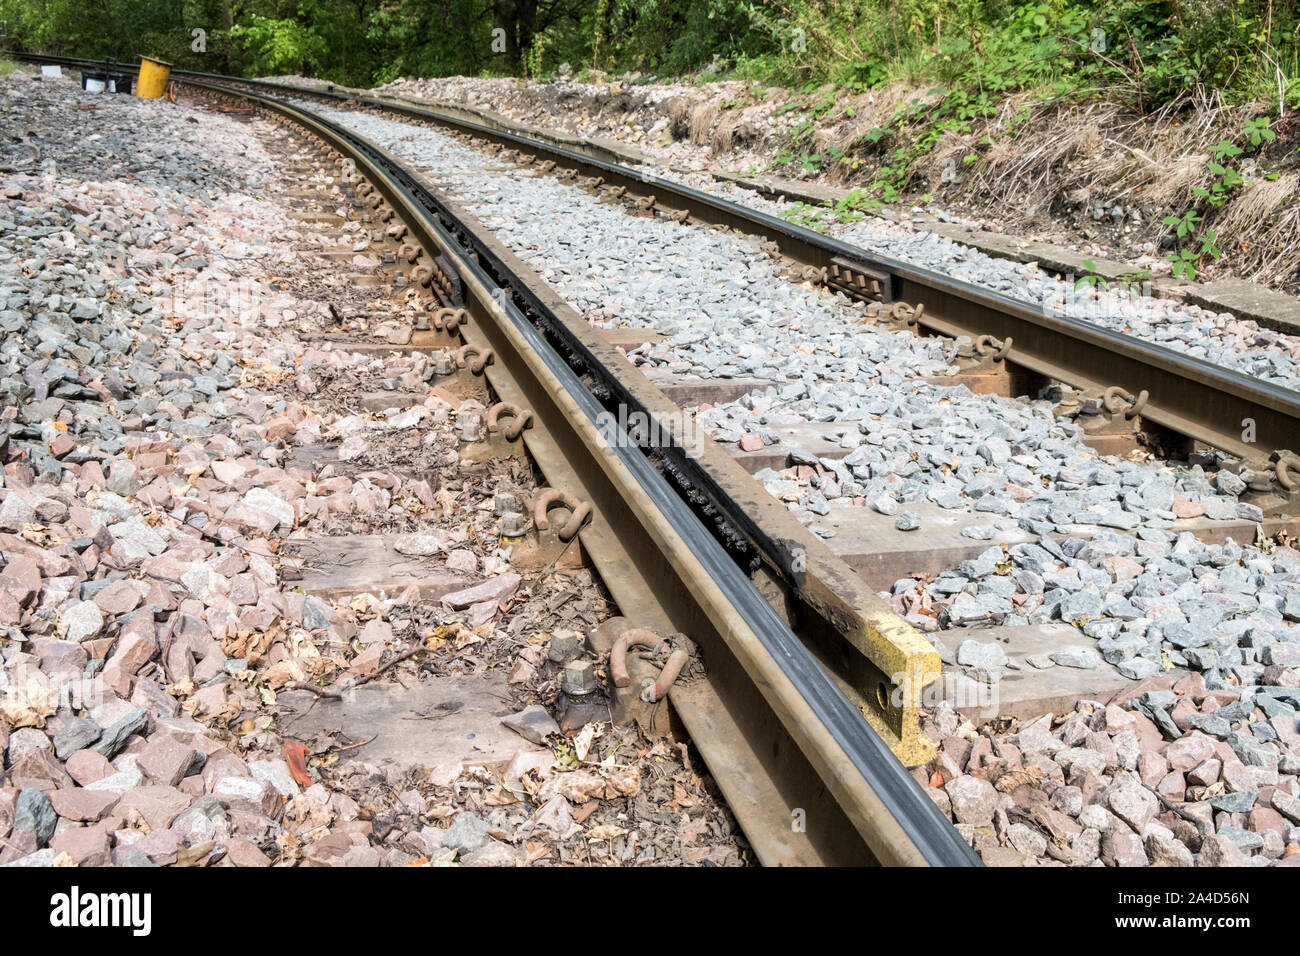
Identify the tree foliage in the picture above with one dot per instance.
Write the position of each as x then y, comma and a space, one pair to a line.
1147, 52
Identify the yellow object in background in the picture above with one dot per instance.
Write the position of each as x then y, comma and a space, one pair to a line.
153, 78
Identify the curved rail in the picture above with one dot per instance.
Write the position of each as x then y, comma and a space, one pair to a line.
855, 760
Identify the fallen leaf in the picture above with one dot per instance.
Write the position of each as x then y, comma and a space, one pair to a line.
27, 704
35, 533
531, 780
295, 755
580, 786
625, 783
606, 831
1013, 779
586, 737
363, 602
566, 757
499, 797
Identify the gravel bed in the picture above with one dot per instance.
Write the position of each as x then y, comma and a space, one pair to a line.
1167, 773
175, 435
728, 313
1219, 338
1015, 462
1144, 603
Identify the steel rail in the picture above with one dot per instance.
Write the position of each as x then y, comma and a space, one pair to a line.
892, 816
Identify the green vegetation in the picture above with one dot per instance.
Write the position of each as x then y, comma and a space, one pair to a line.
1195, 242
1090, 279
1144, 52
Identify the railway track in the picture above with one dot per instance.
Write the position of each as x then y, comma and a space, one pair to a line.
777, 732
801, 708
1145, 396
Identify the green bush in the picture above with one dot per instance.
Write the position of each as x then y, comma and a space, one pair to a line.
1145, 53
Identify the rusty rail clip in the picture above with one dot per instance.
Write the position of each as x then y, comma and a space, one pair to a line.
905, 313
450, 319
988, 345
520, 419
1286, 462
1117, 399
652, 691
550, 498
482, 358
